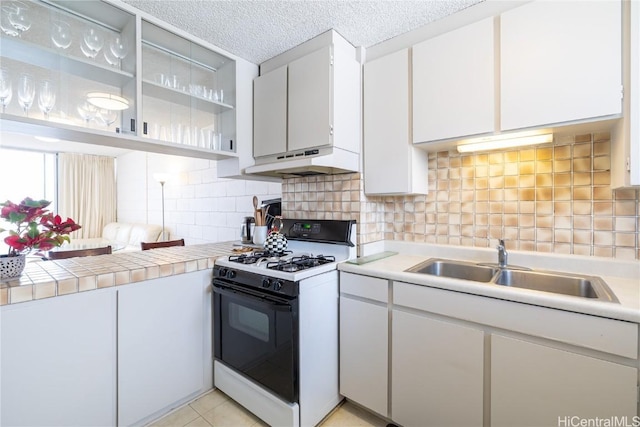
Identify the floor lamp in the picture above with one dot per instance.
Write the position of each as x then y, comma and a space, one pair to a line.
162, 178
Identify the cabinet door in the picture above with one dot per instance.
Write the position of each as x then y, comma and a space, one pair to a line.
560, 62
310, 100
364, 353
453, 84
387, 142
161, 335
59, 361
535, 385
270, 113
436, 372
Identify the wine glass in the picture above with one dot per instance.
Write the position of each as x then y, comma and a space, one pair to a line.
26, 92
93, 41
19, 17
107, 117
6, 90
61, 34
5, 25
119, 46
46, 97
87, 112
111, 59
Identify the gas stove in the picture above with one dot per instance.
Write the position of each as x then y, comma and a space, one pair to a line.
314, 247
269, 312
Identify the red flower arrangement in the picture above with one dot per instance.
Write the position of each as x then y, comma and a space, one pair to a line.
36, 227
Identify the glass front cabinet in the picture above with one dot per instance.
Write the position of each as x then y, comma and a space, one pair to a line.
93, 72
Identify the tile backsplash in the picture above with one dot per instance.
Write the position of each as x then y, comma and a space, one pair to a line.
550, 198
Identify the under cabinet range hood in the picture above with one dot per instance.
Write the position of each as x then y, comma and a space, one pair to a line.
319, 161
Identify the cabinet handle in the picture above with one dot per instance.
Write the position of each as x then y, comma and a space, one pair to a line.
133, 125
144, 128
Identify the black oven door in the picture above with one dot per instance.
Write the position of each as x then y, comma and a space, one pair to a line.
257, 335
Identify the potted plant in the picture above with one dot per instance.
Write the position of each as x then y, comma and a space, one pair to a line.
36, 229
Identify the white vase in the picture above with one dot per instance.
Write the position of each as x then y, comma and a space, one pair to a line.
11, 266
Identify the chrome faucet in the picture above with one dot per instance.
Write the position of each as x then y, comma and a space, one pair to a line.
502, 254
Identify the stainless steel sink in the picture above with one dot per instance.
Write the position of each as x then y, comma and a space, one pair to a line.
455, 270
545, 281
558, 283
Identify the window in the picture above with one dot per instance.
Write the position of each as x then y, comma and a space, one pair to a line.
26, 174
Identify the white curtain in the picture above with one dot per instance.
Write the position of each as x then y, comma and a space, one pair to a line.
87, 192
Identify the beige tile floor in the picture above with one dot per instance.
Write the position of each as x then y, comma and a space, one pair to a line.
218, 410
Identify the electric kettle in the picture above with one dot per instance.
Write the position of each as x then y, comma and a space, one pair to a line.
246, 229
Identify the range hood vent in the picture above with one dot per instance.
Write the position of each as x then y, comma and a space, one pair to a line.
327, 161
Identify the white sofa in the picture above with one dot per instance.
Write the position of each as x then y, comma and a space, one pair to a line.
122, 236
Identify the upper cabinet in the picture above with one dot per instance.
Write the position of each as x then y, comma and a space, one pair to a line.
625, 138
387, 129
307, 110
560, 62
95, 72
270, 118
55, 58
187, 91
453, 84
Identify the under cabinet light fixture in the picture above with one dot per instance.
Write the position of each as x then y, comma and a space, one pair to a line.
46, 139
504, 141
108, 101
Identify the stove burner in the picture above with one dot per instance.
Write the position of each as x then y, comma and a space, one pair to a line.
255, 257
300, 263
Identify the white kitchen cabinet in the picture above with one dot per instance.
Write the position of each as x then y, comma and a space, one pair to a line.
364, 342
387, 139
270, 113
625, 137
310, 81
164, 345
59, 361
437, 370
453, 84
163, 80
537, 385
560, 62
323, 104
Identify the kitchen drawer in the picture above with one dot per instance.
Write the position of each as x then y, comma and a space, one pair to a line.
364, 286
597, 333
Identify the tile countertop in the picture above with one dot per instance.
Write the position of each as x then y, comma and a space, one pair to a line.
46, 279
623, 277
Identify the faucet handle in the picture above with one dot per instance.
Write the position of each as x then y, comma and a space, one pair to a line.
501, 243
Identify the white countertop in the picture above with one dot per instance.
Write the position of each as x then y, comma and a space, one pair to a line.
623, 277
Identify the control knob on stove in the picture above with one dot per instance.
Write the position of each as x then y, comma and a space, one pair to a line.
231, 274
266, 282
277, 285
222, 272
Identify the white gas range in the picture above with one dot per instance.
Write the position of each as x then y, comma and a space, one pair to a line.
276, 324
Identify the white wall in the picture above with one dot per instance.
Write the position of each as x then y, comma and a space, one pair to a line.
199, 207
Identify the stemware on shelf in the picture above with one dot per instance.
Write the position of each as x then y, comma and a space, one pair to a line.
5, 24
6, 91
46, 97
107, 117
87, 112
61, 34
93, 42
119, 46
26, 92
110, 58
19, 17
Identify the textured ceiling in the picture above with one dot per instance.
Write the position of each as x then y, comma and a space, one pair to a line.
257, 30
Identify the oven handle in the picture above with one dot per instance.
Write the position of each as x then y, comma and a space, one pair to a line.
267, 302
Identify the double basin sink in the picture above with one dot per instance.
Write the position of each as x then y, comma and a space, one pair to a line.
580, 286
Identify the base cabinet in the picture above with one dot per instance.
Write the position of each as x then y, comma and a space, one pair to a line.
59, 361
536, 385
436, 372
161, 325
